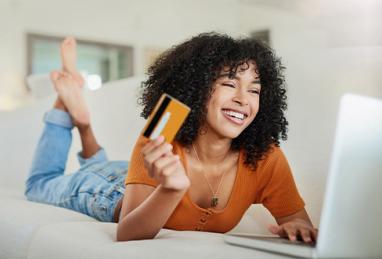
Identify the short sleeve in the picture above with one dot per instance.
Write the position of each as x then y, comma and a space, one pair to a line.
137, 172
277, 188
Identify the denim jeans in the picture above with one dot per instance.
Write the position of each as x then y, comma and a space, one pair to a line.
94, 189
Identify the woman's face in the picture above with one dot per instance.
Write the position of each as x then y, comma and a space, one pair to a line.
234, 102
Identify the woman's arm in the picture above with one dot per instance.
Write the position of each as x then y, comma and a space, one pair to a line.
145, 210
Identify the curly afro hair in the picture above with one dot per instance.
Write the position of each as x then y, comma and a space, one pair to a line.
187, 72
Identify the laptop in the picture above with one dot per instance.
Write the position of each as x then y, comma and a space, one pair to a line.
351, 218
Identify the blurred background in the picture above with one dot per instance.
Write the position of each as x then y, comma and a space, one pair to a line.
328, 47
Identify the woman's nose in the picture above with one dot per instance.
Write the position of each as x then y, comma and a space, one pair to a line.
240, 98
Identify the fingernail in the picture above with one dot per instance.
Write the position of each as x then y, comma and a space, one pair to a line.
160, 138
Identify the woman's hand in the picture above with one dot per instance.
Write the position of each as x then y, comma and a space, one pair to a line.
296, 229
164, 166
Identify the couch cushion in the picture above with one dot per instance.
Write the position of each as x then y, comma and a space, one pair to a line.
23, 223
97, 240
20, 219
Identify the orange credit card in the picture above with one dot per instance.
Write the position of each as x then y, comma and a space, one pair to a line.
166, 118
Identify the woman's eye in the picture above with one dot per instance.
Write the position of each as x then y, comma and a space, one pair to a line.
254, 91
229, 85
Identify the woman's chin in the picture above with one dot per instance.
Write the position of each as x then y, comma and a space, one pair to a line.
232, 134
227, 131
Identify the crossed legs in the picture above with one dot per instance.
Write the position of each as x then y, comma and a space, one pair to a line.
85, 190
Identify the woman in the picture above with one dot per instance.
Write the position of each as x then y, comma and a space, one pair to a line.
224, 158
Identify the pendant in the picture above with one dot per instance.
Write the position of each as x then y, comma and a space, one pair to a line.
214, 202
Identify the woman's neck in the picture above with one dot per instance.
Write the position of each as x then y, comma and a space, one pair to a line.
212, 150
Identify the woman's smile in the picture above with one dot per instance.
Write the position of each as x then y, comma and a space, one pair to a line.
235, 117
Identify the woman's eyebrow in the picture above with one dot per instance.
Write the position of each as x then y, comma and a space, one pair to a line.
255, 81
224, 75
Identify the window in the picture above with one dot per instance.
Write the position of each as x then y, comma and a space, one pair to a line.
110, 61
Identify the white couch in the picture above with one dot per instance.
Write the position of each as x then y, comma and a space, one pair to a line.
34, 230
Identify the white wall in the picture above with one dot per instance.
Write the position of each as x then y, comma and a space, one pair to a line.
328, 47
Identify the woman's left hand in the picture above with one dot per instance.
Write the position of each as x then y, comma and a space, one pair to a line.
296, 229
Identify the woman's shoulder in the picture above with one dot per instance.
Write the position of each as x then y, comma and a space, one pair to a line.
274, 154
141, 141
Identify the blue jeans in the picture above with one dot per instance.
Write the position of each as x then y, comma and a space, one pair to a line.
94, 189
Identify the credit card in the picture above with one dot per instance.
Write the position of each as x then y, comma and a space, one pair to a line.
166, 118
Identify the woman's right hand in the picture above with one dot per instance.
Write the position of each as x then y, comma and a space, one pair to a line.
164, 166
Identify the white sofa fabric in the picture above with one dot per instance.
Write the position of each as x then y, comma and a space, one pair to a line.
35, 230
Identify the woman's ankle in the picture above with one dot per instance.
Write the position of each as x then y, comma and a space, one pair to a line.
59, 105
83, 129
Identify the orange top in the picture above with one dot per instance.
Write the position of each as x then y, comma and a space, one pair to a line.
271, 184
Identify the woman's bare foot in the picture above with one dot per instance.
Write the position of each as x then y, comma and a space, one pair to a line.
70, 93
80, 115
68, 51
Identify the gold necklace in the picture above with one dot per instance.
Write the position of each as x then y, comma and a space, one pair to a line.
215, 198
